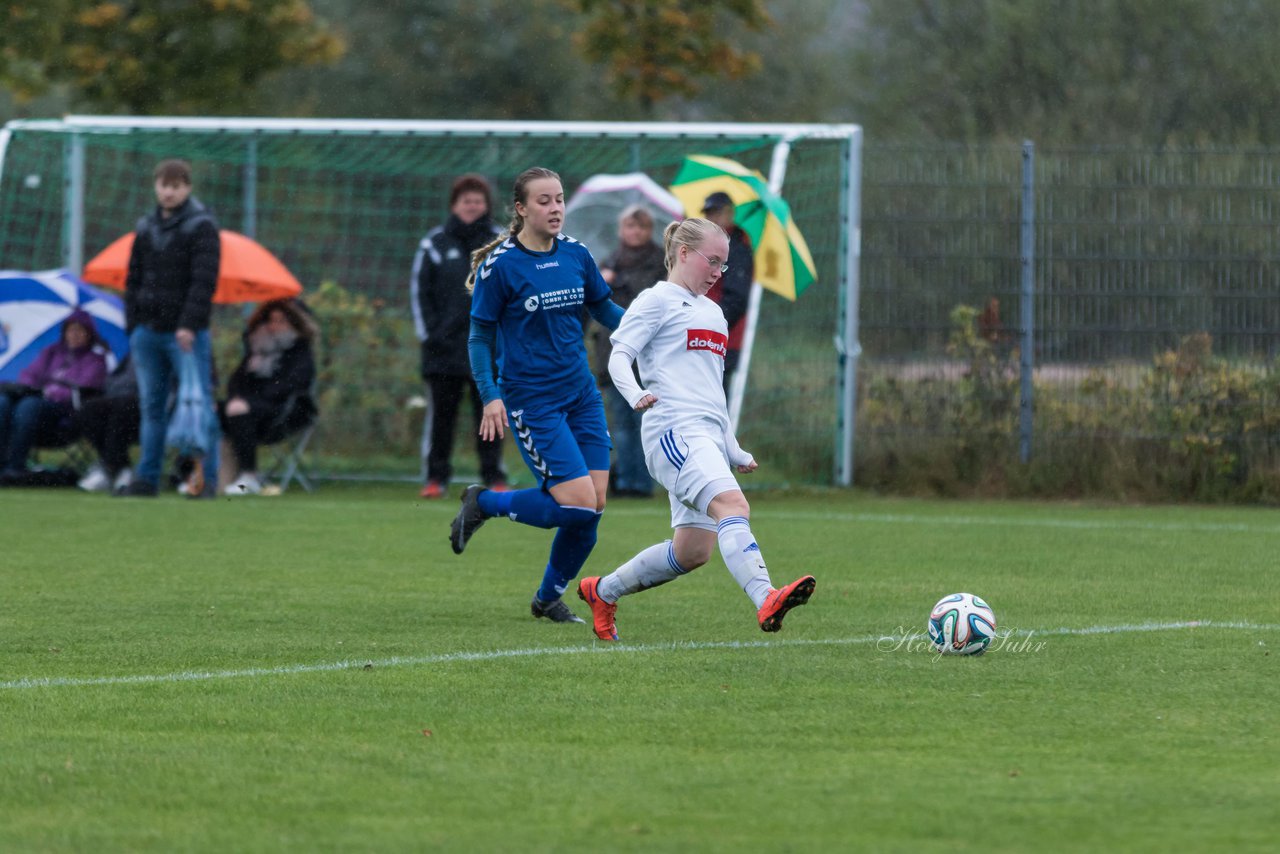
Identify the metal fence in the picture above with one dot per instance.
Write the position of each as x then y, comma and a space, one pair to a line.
1133, 255
1133, 250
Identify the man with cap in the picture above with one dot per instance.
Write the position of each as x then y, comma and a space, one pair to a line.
733, 289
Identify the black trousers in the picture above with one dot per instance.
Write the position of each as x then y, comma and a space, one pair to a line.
445, 393
111, 424
264, 424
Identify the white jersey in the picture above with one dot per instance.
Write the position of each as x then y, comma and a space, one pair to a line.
681, 341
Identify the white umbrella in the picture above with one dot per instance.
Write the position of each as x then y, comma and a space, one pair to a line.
592, 213
33, 306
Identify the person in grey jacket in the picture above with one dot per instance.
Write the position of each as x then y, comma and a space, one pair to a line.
637, 264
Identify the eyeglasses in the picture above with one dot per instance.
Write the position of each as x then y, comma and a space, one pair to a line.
714, 262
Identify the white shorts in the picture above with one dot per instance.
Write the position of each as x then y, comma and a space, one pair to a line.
693, 466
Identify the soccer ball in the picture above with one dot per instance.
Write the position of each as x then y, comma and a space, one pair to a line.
961, 624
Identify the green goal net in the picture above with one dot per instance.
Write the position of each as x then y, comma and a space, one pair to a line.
344, 203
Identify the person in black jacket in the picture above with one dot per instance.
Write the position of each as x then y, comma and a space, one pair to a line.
733, 290
442, 319
269, 394
168, 296
110, 423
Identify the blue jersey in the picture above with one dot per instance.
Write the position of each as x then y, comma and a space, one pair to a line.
536, 300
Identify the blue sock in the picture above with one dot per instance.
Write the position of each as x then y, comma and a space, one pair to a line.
569, 551
533, 507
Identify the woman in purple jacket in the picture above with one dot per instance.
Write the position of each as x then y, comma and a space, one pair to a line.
40, 408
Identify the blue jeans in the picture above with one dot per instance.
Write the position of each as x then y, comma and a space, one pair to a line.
624, 427
22, 423
155, 356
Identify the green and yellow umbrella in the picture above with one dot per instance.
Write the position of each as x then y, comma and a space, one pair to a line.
783, 262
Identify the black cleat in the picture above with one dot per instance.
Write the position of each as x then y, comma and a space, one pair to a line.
469, 519
138, 488
555, 611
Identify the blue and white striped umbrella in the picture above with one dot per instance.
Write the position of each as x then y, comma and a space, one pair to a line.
33, 306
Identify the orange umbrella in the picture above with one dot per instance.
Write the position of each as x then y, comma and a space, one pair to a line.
248, 271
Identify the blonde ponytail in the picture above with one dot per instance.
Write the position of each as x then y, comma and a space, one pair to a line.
517, 222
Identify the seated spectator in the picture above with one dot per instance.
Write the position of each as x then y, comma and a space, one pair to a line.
111, 424
40, 408
269, 394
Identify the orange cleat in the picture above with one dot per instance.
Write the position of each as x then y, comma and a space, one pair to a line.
779, 602
602, 612
433, 489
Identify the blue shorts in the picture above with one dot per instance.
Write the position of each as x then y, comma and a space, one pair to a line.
563, 441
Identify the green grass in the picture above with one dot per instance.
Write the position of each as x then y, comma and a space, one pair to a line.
697, 733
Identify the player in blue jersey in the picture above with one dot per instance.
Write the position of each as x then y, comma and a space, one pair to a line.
529, 287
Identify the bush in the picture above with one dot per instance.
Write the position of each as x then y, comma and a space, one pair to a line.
1189, 425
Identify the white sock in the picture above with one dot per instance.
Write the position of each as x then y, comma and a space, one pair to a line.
742, 556
653, 566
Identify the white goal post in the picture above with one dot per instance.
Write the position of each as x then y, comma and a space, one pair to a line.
817, 167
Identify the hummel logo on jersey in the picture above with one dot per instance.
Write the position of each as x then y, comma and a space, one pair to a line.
685, 305
546, 265
708, 339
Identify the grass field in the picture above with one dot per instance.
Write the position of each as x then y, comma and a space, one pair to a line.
320, 673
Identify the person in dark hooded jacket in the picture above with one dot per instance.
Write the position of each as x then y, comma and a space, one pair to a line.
173, 271
269, 394
40, 407
442, 319
110, 423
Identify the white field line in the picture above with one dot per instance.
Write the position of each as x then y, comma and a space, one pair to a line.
767, 513
1024, 522
595, 648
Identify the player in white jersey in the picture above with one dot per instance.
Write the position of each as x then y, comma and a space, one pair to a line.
679, 338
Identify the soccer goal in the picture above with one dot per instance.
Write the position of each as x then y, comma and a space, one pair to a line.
347, 201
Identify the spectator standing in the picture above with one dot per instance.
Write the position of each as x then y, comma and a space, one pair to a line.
173, 271
441, 316
733, 291
635, 265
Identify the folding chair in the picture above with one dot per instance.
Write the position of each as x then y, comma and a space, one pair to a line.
287, 441
65, 444
288, 462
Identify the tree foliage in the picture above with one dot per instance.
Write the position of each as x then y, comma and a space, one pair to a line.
655, 49
1123, 72
1083, 71
158, 56
466, 60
